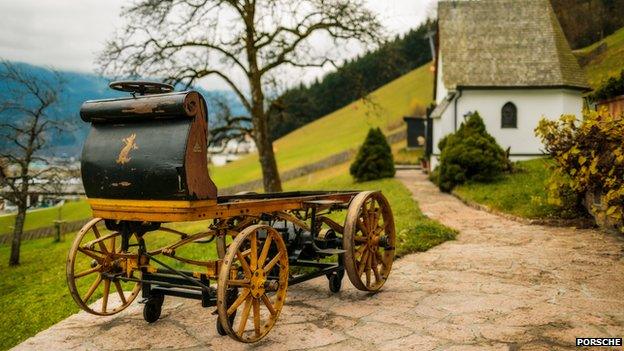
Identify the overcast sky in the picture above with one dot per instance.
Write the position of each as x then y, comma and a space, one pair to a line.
67, 34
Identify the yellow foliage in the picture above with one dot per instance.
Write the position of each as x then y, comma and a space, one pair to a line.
589, 155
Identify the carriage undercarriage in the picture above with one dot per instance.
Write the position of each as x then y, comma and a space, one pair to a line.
263, 244
144, 169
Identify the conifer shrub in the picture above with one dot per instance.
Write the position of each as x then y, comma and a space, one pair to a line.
612, 87
471, 153
374, 158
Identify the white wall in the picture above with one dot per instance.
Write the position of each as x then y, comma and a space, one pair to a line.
532, 105
441, 90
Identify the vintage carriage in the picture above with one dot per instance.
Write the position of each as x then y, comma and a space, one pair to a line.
144, 165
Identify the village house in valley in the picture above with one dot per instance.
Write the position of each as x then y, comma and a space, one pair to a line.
509, 61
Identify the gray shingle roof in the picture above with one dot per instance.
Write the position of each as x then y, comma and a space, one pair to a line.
505, 43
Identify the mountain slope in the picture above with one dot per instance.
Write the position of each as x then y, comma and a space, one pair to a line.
341, 130
80, 87
605, 62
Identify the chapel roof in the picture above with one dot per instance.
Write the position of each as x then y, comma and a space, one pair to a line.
505, 43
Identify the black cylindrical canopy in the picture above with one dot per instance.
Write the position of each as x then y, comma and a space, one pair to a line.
160, 106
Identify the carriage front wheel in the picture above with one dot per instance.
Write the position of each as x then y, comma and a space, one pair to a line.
369, 241
256, 268
94, 263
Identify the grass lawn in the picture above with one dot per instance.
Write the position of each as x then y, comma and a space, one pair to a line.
341, 130
415, 232
608, 63
403, 156
45, 217
522, 193
34, 295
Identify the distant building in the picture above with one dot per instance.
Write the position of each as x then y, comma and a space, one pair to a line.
508, 60
231, 150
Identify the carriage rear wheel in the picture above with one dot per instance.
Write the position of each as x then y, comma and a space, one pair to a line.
93, 265
256, 263
369, 241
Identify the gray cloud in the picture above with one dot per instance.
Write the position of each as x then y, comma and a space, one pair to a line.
67, 34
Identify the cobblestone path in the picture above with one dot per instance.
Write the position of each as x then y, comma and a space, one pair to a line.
501, 285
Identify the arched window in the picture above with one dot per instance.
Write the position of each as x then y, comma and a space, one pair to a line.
509, 116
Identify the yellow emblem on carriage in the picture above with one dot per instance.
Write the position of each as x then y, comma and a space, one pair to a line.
124, 154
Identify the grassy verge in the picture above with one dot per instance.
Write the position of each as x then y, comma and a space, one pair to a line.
606, 64
45, 217
34, 295
522, 193
415, 232
404, 156
341, 130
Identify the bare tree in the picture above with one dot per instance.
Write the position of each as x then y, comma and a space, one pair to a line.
236, 40
26, 119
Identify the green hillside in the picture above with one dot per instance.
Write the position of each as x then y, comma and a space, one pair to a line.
606, 64
341, 130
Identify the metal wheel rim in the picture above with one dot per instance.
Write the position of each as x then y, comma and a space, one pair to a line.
353, 243
246, 301
71, 278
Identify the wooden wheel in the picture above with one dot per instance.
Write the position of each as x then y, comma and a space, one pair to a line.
93, 257
256, 263
369, 241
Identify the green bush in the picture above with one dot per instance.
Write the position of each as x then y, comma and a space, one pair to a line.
374, 159
471, 153
610, 88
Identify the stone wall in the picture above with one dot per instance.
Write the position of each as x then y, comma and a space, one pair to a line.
325, 163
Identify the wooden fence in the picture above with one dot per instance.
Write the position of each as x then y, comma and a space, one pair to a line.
45, 232
325, 163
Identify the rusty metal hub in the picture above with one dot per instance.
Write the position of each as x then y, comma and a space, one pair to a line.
258, 278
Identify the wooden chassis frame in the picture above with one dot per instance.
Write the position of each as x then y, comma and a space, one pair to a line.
223, 207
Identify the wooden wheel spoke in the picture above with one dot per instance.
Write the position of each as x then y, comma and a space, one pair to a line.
239, 282
120, 292
92, 288
97, 234
362, 227
244, 264
367, 262
87, 272
254, 252
265, 251
244, 316
92, 254
88, 256
360, 251
256, 316
239, 300
359, 239
375, 268
381, 259
112, 241
362, 263
368, 270
268, 304
273, 262
105, 296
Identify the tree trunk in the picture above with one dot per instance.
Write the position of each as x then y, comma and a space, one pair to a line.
270, 174
17, 235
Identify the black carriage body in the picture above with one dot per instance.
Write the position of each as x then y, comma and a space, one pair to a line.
147, 148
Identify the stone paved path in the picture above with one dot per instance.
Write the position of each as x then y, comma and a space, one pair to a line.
501, 286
